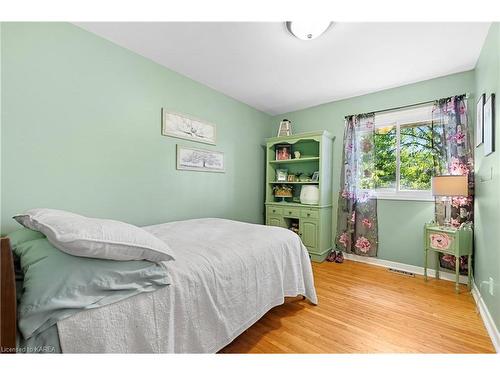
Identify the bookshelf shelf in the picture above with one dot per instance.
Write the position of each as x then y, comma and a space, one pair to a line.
295, 161
295, 182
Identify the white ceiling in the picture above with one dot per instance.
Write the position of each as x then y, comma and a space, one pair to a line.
261, 64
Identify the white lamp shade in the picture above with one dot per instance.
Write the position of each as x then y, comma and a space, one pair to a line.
450, 186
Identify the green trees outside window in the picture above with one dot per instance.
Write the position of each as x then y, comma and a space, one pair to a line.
420, 147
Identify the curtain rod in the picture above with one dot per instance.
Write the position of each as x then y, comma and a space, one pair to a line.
411, 105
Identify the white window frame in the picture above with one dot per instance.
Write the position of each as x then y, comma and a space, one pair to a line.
414, 115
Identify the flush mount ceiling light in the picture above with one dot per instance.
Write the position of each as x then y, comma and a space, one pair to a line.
307, 30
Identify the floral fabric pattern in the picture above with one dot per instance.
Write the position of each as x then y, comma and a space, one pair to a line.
357, 229
456, 159
440, 241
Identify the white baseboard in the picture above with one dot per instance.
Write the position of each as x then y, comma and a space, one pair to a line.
405, 267
489, 324
481, 306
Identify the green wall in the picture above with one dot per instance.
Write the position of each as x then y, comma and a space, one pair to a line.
400, 222
81, 131
487, 203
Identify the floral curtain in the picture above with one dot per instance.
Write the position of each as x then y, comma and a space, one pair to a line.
357, 229
449, 118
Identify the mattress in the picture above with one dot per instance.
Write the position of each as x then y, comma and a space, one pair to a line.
226, 276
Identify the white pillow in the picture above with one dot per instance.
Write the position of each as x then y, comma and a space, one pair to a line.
95, 238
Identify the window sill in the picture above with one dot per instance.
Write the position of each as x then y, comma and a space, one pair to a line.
405, 197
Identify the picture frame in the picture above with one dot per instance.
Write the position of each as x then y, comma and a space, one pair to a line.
195, 159
283, 151
179, 125
281, 175
489, 125
315, 177
480, 119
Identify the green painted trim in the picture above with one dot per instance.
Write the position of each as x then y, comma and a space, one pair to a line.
299, 136
319, 257
296, 205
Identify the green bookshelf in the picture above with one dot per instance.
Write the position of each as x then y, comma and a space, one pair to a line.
314, 221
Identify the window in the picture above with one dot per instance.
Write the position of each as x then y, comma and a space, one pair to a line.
407, 146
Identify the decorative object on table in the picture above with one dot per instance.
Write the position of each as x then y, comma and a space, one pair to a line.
456, 157
182, 126
304, 178
281, 175
283, 151
291, 178
448, 186
283, 191
315, 176
285, 128
194, 159
489, 124
309, 194
455, 243
296, 154
480, 119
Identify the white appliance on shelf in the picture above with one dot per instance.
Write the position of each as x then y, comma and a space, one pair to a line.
309, 194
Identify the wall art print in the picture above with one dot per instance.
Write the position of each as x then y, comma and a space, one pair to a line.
182, 126
194, 159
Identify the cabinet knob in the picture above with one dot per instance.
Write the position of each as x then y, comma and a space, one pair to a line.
274, 210
289, 212
308, 214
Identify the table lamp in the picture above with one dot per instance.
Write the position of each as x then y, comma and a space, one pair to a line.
450, 186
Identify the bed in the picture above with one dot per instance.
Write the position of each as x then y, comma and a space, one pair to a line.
226, 276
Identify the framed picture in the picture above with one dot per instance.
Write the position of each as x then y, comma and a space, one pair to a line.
489, 125
181, 126
281, 175
194, 159
315, 177
285, 128
283, 152
479, 119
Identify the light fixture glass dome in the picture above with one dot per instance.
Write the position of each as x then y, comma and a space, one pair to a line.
307, 30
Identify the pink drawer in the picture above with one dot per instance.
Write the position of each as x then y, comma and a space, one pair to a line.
440, 241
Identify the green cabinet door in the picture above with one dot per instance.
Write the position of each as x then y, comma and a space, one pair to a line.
274, 221
310, 233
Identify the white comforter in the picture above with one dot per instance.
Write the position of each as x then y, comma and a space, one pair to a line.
226, 275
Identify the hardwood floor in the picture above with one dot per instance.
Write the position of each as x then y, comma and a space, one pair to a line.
367, 309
